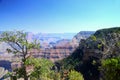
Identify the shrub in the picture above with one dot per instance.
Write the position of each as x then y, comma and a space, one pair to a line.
93, 38
74, 75
111, 69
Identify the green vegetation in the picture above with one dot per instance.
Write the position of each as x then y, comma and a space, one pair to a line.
20, 45
41, 69
88, 62
74, 75
100, 33
73, 60
111, 68
99, 46
93, 38
118, 44
94, 62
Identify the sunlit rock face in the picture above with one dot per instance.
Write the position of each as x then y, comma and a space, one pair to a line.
81, 35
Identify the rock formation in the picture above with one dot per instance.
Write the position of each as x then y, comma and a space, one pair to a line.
103, 44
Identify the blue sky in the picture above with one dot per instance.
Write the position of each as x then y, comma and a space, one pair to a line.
59, 16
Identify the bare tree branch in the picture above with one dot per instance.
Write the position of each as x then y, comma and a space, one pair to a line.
14, 47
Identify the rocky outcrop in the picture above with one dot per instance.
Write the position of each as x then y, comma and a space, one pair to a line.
104, 43
81, 35
86, 58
